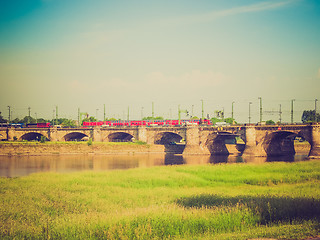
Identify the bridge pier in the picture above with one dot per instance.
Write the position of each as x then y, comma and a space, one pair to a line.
315, 141
193, 144
96, 134
10, 133
142, 134
254, 142
53, 134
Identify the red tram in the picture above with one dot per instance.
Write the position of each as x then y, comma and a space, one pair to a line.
148, 123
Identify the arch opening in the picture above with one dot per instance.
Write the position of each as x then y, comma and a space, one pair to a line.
173, 142
167, 138
33, 136
76, 136
285, 144
216, 142
120, 137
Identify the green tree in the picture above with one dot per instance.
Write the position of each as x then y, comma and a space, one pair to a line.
16, 120
89, 119
215, 120
2, 120
270, 122
309, 116
153, 118
28, 119
68, 123
42, 120
111, 119
230, 120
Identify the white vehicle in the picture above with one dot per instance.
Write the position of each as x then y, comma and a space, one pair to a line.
220, 124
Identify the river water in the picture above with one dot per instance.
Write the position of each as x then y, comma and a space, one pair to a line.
16, 166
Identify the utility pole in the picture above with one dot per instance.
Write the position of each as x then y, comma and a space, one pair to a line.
223, 113
292, 110
29, 110
141, 113
104, 112
315, 110
152, 110
179, 113
80, 114
232, 111
250, 112
56, 114
78, 117
260, 109
128, 114
9, 113
280, 112
53, 119
192, 110
202, 116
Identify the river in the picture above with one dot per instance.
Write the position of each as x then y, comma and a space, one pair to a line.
17, 166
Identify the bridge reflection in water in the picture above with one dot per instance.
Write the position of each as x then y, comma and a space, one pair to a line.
15, 166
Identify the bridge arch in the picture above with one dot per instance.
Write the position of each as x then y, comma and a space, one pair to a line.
281, 143
120, 137
33, 136
75, 136
172, 142
164, 138
216, 142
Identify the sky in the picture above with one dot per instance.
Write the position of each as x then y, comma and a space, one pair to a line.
129, 55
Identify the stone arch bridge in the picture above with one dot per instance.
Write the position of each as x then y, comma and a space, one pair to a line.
267, 140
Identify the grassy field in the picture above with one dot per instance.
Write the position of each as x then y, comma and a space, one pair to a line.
236, 201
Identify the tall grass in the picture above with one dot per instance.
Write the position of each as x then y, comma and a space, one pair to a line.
214, 201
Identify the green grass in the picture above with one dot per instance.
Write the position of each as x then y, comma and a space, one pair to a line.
237, 201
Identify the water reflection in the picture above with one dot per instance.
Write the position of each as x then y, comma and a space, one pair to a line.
172, 159
218, 159
289, 158
15, 166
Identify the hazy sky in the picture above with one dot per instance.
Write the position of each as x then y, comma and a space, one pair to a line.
87, 53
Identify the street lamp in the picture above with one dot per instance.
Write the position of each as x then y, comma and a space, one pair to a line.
9, 108
202, 109
260, 109
250, 112
292, 110
315, 110
280, 112
232, 111
141, 113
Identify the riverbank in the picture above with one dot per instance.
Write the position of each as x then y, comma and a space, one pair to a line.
237, 201
51, 148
